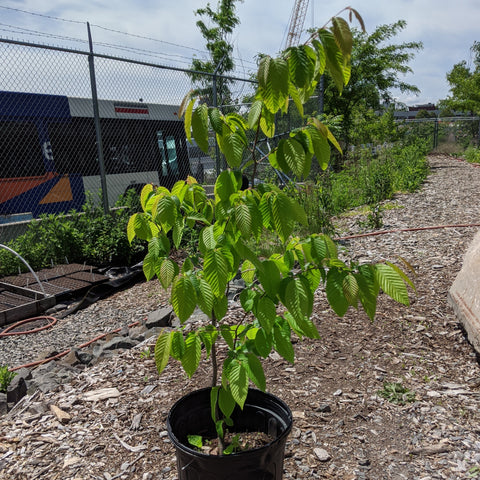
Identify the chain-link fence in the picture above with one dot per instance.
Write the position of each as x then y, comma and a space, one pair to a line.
444, 134
76, 125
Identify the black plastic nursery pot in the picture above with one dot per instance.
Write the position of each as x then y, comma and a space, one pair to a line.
262, 412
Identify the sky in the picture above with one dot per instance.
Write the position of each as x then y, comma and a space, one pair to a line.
446, 28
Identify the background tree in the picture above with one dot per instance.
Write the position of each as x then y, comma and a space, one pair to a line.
377, 68
216, 26
464, 85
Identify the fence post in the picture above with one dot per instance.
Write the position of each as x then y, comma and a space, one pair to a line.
96, 116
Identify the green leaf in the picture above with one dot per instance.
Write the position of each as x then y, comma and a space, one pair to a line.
269, 277
167, 272
232, 147
150, 265
188, 119
334, 58
335, 294
266, 313
248, 272
297, 297
254, 113
225, 185
200, 127
238, 382
291, 152
342, 35
183, 297
138, 225
191, 357
255, 371
207, 239
164, 212
226, 402
213, 403
300, 66
162, 350
351, 290
216, 120
243, 219
321, 148
205, 297
391, 283
195, 441
177, 347
282, 341
178, 232
367, 295
216, 271
145, 195
280, 210
263, 342
220, 307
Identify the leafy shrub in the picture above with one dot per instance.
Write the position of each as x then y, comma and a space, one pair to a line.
6, 378
472, 155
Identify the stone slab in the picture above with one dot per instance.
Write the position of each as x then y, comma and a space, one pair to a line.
464, 294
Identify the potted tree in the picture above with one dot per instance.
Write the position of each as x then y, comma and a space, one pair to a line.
279, 295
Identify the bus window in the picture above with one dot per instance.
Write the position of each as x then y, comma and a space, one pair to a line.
20, 150
172, 155
162, 153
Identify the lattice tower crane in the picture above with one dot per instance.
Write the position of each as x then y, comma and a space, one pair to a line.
297, 20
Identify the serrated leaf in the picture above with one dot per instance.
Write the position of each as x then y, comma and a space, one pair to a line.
263, 342
367, 295
280, 209
183, 297
205, 297
232, 147
164, 212
334, 58
226, 402
216, 120
167, 272
225, 185
188, 119
200, 127
266, 313
162, 351
334, 290
220, 307
269, 277
248, 271
216, 271
150, 265
391, 283
254, 113
291, 153
243, 219
282, 341
139, 226
145, 194
193, 351
351, 289
238, 382
342, 35
255, 371
177, 347
177, 233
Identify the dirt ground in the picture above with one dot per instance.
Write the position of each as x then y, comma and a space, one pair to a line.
343, 427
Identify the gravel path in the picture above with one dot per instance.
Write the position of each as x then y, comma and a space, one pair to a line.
343, 428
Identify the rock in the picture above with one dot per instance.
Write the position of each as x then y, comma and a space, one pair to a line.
3, 404
17, 389
62, 416
322, 454
159, 318
117, 343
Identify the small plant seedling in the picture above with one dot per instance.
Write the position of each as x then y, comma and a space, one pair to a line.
145, 353
396, 393
6, 377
